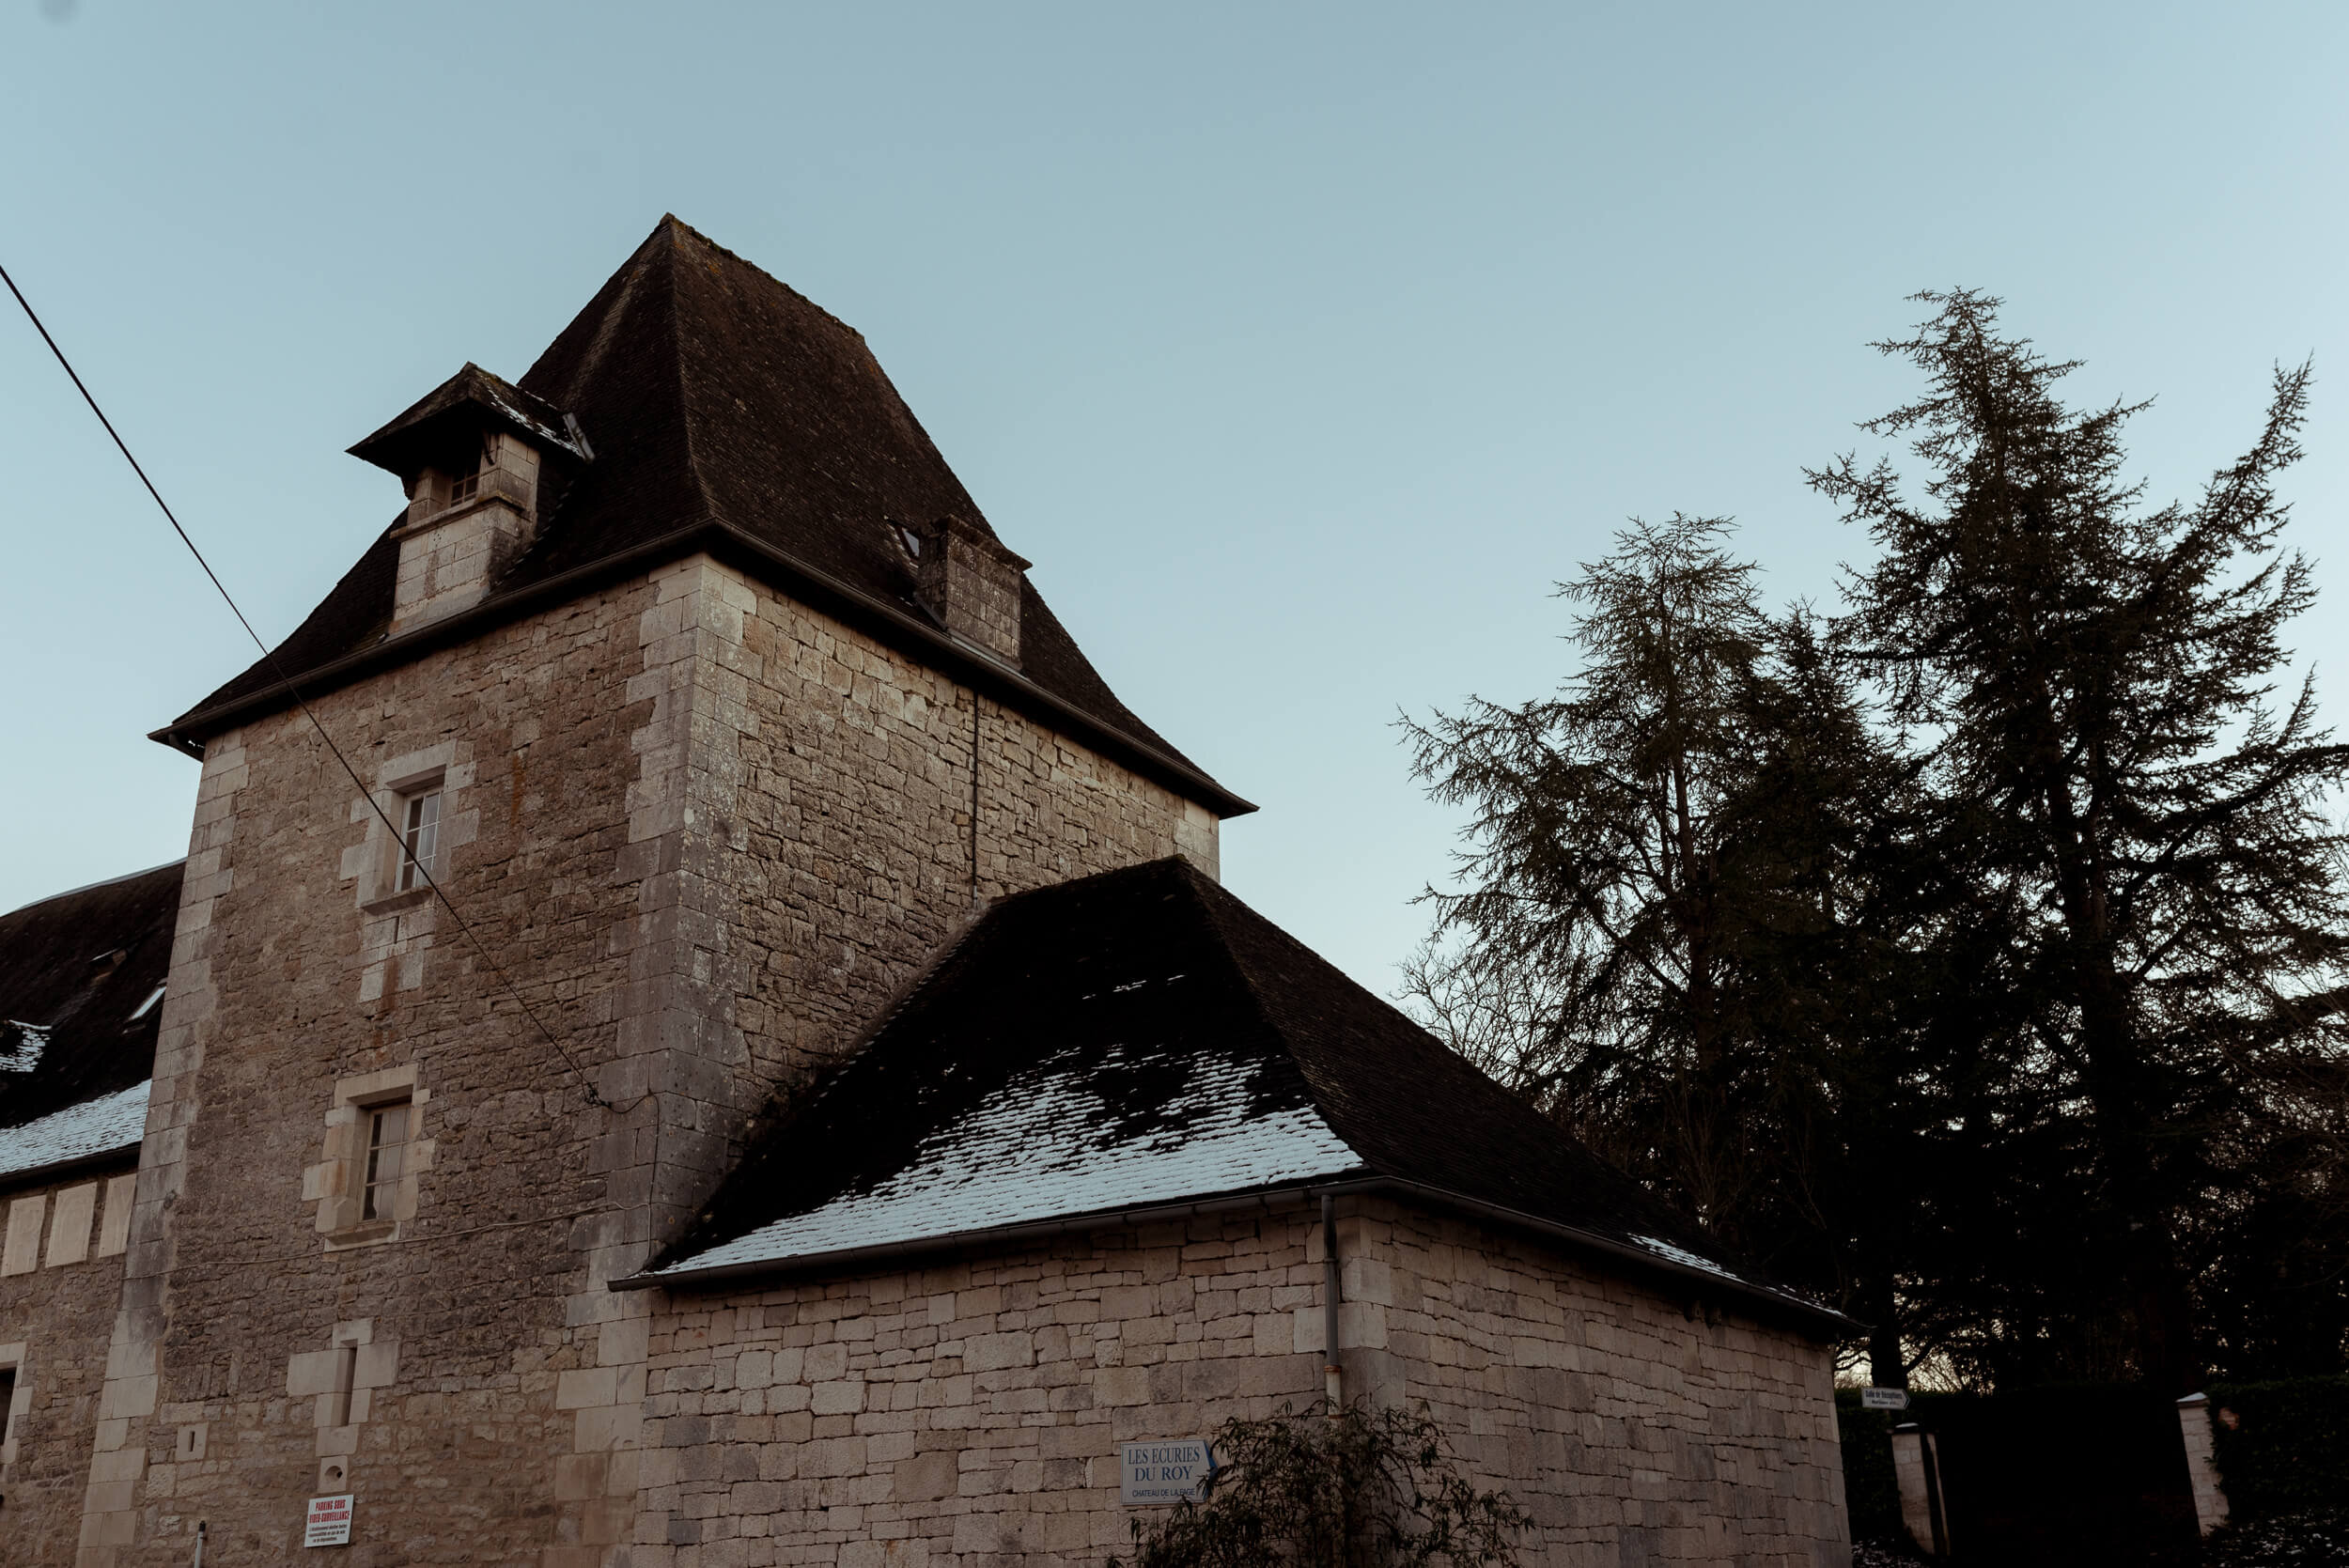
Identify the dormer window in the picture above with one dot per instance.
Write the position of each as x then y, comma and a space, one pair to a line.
912, 540
473, 457
464, 487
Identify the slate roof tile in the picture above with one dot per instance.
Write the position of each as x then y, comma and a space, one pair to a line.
713, 397
1136, 1039
80, 974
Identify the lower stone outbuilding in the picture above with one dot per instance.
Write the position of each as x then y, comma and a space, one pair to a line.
1100, 1179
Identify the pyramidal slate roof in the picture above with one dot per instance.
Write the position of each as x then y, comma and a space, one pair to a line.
722, 411
1142, 1042
81, 986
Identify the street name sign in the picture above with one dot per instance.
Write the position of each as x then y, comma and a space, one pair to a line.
1165, 1472
1884, 1399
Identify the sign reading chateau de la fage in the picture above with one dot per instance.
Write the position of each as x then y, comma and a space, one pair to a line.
1165, 1472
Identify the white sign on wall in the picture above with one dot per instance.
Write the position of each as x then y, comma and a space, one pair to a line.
328, 1523
1884, 1399
1166, 1471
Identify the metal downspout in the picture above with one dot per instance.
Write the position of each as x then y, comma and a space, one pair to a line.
1333, 1377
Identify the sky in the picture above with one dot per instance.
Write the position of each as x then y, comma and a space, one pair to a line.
1302, 347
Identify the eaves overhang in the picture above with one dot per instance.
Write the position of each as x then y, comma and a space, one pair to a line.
1765, 1301
893, 623
123, 1156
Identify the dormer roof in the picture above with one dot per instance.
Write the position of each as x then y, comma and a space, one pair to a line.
456, 413
726, 413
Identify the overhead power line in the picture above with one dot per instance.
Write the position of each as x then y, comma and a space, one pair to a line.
270, 657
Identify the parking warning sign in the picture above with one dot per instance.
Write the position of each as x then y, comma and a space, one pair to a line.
328, 1523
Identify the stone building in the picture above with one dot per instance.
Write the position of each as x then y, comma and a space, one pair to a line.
750, 1063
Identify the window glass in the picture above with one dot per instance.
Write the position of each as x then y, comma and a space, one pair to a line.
419, 840
387, 1148
8, 1397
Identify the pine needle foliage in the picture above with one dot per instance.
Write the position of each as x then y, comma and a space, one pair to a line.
2102, 685
1354, 1488
1676, 929
1977, 954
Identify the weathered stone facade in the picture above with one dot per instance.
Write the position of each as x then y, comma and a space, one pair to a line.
706, 831
971, 1413
60, 1277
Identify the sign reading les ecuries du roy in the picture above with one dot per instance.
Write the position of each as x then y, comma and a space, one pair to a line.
1162, 1472
328, 1523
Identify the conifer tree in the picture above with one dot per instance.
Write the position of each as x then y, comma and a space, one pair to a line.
1677, 927
2096, 683
1587, 957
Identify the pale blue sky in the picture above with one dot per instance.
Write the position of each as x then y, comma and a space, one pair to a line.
1301, 347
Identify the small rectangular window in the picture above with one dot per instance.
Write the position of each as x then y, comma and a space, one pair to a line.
8, 1398
388, 1151
419, 839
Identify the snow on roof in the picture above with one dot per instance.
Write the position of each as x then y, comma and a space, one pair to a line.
113, 1121
1045, 1145
1663, 1249
21, 1046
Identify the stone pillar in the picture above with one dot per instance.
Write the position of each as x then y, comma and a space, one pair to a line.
2201, 1461
1918, 1468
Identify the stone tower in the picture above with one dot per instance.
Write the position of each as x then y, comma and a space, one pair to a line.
695, 681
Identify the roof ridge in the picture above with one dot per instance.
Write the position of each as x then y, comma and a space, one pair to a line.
688, 419
93, 886
1197, 884
669, 220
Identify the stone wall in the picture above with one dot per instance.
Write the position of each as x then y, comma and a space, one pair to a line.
800, 837
60, 1275
708, 833
968, 1413
1638, 1425
971, 1413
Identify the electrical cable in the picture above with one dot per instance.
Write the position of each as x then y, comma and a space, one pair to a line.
586, 1085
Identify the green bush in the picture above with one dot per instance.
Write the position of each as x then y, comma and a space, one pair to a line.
2288, 1449
1362, 1489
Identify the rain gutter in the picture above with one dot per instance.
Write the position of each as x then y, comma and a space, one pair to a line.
1824, 1321
891, 623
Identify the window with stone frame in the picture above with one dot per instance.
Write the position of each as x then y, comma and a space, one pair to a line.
386, 1155
415, 821
14, 1396
365, 1187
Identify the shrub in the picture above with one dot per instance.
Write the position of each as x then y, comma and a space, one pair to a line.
2316, 1539
1353, 1489
2288, 1449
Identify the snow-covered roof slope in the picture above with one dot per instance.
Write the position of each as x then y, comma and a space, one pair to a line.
1140, 1041
110, 1123
1046, 1144
77, 971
